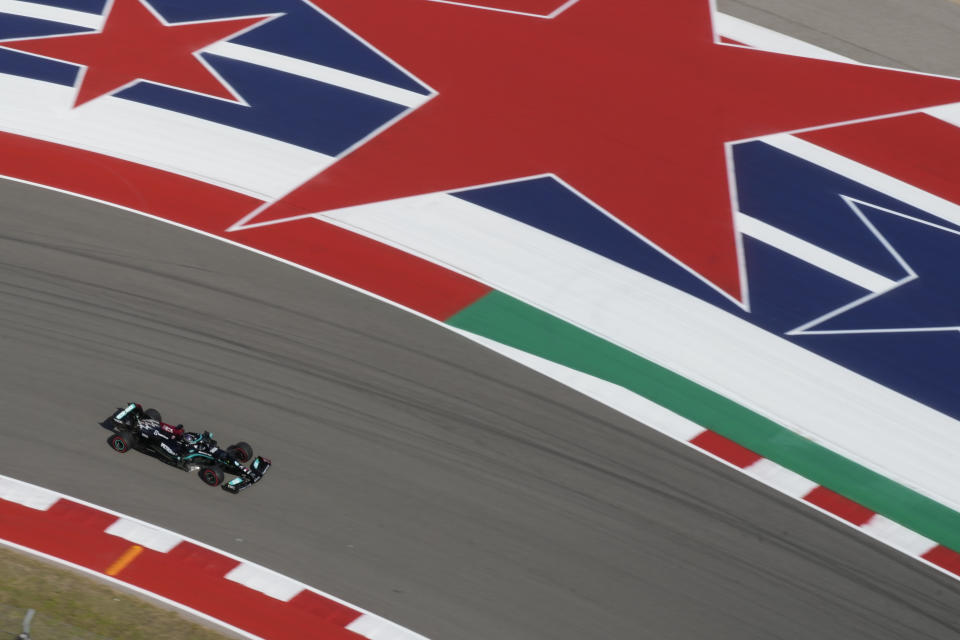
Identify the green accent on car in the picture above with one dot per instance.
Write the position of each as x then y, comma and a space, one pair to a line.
512, 322
194, 455
130, 407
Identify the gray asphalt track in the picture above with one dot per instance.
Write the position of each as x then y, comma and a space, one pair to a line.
416, 474
919, 35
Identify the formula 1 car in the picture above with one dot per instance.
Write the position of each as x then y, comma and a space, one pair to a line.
143, 429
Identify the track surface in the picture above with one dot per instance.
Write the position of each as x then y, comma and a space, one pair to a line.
417, 475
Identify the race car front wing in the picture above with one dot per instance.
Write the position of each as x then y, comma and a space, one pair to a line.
252, 475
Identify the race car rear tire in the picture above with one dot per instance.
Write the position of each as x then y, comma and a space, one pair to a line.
212, 476
241, 452
121, 442
153, 413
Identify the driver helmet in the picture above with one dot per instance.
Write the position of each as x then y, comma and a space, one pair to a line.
191, 438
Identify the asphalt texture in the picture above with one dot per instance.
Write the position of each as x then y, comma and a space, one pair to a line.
416, 474
917, 35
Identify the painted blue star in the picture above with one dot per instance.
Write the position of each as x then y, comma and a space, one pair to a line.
927, 299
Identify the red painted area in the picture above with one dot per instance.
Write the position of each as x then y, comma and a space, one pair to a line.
324, 608
123, 183
944, 558
610, 97
377, 268
67, 530
839, 505
194, 576
725, 448
918, 149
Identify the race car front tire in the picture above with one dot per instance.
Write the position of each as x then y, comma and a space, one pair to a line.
121, 442
212, 476
241, 452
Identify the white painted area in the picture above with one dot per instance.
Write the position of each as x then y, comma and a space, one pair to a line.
614, 396
224, 156
377, 628
780, 478
145, 535
812, 254
762, 38
264, 580
27, 495
329, 75
897, 536
866, 176
822, 401
949, 113
53, 14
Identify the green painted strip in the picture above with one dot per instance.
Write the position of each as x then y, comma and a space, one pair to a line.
507, 320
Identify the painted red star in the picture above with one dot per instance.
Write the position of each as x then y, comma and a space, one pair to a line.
629, 103
135, 43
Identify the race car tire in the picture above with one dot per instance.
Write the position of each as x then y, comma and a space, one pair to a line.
212, 476
241, 452
121, 442
153, 413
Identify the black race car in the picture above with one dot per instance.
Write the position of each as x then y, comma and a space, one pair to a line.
143, 429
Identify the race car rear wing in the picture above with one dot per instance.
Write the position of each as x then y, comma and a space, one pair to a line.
254, 475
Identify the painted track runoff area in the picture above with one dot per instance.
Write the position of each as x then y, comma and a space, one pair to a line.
275, 238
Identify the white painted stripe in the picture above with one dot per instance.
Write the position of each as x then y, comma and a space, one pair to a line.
53, 14
866, 176
240, 53
27, 495
812, 254
264, 580
614, 396
377, 628
949, 113
144, 534
780, 478
226, 157
897, 536
762, 38
329, 75
800, 390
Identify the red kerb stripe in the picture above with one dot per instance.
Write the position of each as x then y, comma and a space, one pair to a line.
839, 506
944, 558
725, 448
195, 577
